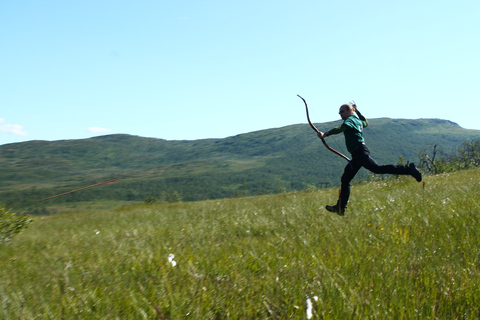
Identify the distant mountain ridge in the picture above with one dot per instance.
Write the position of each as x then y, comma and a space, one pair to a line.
265, 161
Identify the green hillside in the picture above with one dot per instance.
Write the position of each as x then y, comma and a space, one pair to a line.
400, 252
267, 161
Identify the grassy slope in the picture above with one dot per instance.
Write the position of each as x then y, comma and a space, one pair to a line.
266, 161
401, 252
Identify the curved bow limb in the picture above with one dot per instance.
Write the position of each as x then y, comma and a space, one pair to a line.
318, 131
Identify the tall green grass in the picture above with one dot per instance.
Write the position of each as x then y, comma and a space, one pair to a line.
401, 252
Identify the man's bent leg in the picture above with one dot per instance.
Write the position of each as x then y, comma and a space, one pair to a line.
349, 173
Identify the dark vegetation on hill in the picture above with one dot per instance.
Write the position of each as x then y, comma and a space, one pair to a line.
267, 161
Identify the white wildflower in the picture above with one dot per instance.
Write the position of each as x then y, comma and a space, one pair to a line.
171, 256
309, 309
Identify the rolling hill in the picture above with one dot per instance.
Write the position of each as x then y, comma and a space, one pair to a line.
266, 161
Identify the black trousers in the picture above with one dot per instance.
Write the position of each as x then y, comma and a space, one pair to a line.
361, 158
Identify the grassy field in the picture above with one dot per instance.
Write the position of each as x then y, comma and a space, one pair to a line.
401, 252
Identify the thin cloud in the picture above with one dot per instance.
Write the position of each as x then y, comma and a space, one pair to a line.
12, 128
98, 130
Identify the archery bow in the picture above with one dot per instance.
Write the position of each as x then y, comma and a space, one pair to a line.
318, 131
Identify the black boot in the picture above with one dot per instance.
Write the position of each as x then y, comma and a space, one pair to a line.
414, 172
336, 209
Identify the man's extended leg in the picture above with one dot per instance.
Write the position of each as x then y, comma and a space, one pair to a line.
363, 156
370, 164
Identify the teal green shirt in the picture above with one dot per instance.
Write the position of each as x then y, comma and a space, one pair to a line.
352, 128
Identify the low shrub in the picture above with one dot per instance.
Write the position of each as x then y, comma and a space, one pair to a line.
12, 224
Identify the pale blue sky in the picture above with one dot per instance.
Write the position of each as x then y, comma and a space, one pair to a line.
211, 69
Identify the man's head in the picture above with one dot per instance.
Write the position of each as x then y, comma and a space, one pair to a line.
346, 110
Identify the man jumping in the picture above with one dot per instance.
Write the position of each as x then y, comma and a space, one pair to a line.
352, 128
